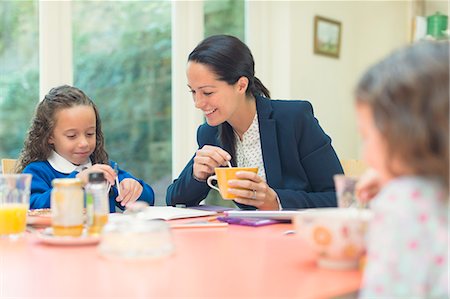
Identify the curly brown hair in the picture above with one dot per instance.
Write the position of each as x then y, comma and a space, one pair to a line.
408, 93
36, 146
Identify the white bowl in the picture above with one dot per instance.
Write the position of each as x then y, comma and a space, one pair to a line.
131, 238
336, 234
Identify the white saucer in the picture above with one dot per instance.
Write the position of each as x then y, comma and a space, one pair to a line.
46, 236
39, 217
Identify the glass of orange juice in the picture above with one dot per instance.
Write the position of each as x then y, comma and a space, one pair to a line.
14, 203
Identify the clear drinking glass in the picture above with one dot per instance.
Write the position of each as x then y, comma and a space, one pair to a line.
14, 203
345, 191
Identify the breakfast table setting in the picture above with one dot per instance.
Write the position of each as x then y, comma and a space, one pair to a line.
231, 261
175, 252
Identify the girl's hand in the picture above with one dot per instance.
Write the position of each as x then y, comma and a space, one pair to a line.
256, 192
107, 171
368, 185
130, 190
206, 159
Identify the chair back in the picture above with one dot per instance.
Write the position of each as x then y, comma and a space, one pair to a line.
8, 165
354, 167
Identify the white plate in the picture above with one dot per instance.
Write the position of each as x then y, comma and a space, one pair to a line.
39, 217
39, 220
46, 236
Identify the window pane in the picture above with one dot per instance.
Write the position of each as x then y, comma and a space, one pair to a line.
225, 17
19, 72
122, 60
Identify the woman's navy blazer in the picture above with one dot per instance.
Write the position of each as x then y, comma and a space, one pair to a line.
298, 158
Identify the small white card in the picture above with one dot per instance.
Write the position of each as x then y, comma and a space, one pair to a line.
169, 213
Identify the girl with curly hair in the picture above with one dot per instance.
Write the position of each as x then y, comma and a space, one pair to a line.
65, 140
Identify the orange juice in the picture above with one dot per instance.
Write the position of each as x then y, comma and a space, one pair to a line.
13, 218
99, 221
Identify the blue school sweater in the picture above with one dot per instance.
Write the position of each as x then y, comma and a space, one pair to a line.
41, 185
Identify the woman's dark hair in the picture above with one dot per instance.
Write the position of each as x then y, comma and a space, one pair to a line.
230, 59
408, 93
36, 146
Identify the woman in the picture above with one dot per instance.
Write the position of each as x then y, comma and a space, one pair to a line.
282, 138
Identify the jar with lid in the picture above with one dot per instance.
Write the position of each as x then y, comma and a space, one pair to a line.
97, 203
67, 200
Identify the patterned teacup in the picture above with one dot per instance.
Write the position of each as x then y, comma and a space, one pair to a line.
337, 235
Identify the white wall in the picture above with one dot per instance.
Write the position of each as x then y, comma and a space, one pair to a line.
370, 30
268, 35
431, 7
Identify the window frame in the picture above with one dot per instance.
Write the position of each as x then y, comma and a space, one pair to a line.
56, 65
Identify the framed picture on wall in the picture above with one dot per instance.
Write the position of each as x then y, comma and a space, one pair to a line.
327, 36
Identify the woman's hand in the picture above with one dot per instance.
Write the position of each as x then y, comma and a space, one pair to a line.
107, 171
206, 159
368, 185
130, 190
255, 192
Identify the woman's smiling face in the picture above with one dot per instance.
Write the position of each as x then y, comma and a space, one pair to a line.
218, 100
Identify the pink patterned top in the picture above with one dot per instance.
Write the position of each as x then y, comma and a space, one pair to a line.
408, 241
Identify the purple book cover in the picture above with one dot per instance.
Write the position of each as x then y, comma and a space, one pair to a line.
247, 221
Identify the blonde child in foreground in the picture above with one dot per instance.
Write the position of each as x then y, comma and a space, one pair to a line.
402, 105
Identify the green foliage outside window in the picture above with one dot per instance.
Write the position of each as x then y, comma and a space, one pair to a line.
225, 17
19, 72
122, 60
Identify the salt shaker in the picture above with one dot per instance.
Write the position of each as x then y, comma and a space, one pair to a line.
97, 203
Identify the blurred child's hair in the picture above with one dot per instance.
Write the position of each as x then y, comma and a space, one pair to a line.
36, 146
408, 93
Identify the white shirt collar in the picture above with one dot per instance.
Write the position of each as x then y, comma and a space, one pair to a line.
62, 165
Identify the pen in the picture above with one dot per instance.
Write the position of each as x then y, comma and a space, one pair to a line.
116, 170
211, 219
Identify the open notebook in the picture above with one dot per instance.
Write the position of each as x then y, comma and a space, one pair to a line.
169, 213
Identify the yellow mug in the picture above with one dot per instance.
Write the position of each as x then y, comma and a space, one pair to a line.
223, 175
